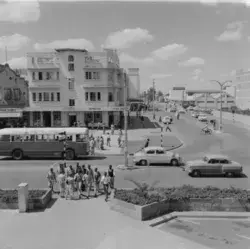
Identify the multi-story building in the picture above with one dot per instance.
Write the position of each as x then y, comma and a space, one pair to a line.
14, 96
242, 83
71, 86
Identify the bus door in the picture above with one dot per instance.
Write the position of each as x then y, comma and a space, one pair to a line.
5, 144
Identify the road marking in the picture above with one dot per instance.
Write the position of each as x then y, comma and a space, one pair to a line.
242, 236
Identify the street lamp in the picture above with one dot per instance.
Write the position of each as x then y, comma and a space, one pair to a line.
222, 87
153, 99
125, 122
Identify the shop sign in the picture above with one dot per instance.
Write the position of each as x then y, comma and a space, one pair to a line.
72, 114
10, 110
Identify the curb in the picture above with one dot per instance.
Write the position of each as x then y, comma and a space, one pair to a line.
174, 215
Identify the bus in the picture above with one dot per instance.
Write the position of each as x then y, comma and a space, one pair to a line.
44, 142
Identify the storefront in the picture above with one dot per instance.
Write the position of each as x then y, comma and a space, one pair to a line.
68, 117
11, 117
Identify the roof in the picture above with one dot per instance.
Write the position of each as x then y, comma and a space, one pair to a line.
217, 156
154, 148
70, 49
46, 131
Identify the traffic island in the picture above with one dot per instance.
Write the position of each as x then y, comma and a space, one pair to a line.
24, 199
145, 202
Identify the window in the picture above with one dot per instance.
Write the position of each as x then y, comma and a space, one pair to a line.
40, 76
45, 96
57, 119
71, 67
96, 75
33, 76
33, 60
151, 152
52, 96
224, 161
36, 118
98, 96
159, 152
110, 97
213, 161
71, 102
88, 75
70, 58
40, 96
71, 84
58, 96
97, 117
48, 75
57, 75
5, 138
7, 94
92, 96
86, 96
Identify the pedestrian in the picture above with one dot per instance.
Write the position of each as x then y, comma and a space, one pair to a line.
119, 139
167, 127
111, 175
160, 119
98, 126
78, 181
120, 132
105, 183
112, 128
61, 178
51, 177
97, 179
104, 129
108, 140
147, 143
70, 186
92, 146
90, 180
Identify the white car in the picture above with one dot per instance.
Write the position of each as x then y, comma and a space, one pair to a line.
202, 118
167, 119
156, 155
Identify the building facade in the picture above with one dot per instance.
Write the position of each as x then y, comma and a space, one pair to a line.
72, 86
242, 84
14, 96
133, 83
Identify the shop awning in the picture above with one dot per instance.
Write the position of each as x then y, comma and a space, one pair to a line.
11, 114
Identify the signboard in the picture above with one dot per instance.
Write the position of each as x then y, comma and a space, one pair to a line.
179, 88
91, 59
45, 60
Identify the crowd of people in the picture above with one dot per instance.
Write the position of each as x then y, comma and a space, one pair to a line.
80, 181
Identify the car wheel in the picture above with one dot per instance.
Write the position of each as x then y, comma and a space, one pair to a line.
174, 162
70, 155
229, 174
143, 162
196, 173
17, 154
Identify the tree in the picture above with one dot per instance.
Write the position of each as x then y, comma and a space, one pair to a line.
151, 93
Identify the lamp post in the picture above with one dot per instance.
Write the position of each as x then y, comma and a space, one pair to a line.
222, 87
153, 99
125, 123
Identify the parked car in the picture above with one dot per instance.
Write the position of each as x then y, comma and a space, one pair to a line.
195, 114
202, 118
167, 119
156, 155
214, 165
182, 111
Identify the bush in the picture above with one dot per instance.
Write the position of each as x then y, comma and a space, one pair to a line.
11, 196
148, 195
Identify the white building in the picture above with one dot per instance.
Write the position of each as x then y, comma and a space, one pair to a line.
73, 85
242, 83
134, 83
227, 100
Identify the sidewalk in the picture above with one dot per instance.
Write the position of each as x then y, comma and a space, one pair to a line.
82, 224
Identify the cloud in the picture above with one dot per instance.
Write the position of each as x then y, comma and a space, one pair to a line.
19, 11
14, 42
17, 63
126, 58
127, 38
194, 61
80, 43
233, 32
169, 51
160, 76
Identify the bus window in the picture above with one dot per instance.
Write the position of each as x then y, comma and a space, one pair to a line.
69, 138
50, 138
80, 138
41, 138
17, 138
5, 138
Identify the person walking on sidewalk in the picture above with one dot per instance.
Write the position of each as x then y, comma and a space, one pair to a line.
167, 127
90, 180
51, 179
111, 175
147, 143
105, 182
97, 179
108, 140
61, 178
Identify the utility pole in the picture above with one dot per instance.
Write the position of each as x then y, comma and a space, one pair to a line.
153, 99
125, 122
222, 87
6, 54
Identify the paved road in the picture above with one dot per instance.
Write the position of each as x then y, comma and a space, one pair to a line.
196, 145
215, 233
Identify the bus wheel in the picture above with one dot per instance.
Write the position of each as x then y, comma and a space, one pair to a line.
17, 154
70, 155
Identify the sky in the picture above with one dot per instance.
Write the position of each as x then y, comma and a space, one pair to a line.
174, 43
